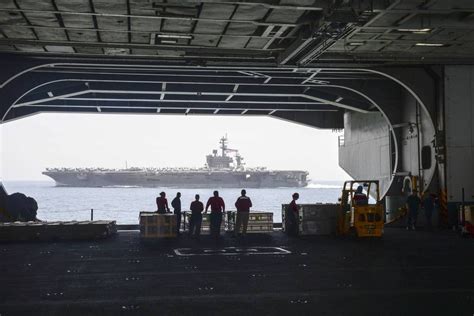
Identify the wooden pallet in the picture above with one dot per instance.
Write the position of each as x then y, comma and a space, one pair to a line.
71, 230
154, 225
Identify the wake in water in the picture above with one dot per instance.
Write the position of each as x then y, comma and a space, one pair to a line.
323, 186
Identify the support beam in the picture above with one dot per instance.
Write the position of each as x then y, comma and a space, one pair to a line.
305, 39
332, 120
317, 97
163, 89
151, 34
277, 34
148, 17
190, 48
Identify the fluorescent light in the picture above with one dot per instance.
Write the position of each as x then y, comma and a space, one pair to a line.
355, 43
175, 36
425, 30
430, 44
169, 41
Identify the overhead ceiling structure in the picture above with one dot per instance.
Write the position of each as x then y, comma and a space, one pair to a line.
291, 93
293, 59
271, 32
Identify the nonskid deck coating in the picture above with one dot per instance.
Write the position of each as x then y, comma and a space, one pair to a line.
405, 273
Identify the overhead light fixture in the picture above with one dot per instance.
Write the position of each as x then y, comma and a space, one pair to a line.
418, 31
169, 41
176, 36
355, 43
430, 44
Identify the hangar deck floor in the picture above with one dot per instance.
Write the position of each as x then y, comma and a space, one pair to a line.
405, 273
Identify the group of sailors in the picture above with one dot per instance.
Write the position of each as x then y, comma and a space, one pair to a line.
217, 206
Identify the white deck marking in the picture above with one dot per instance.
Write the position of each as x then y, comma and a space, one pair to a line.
231, 251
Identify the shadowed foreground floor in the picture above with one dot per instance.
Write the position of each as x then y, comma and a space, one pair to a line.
405, 273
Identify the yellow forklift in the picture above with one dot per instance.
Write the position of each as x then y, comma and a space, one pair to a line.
357, 214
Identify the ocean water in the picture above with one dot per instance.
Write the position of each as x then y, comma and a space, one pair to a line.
124, 204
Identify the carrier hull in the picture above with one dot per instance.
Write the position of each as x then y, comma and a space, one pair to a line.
200, 179
220, 171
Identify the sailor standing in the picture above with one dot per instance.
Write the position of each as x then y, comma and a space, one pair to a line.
243, 205
196, 217
176, 204
217, 208
292, 216
162, 204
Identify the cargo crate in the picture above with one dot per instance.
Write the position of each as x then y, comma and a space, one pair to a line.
154, 225
313, 219
261, 217
259, 222
260, 228
316, 228
469, 213
314, 211
157, 231
71, 230
318, 211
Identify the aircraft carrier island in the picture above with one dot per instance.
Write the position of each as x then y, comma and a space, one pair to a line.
220, 171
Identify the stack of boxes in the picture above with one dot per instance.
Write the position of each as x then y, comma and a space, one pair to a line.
469, 214
468, 225
259, 222
314, 219
154, 225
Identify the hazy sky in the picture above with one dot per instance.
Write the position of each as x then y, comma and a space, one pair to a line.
31, 144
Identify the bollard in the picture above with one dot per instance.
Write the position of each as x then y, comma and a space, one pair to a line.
92, 214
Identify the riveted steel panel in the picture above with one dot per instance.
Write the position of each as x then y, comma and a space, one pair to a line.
459, 115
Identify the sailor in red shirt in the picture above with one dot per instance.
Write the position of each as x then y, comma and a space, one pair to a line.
359, 197
243, 205
292, 215
162, 204
196, 217
217, 208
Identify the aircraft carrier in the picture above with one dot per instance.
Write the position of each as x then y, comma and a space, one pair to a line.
221, 171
